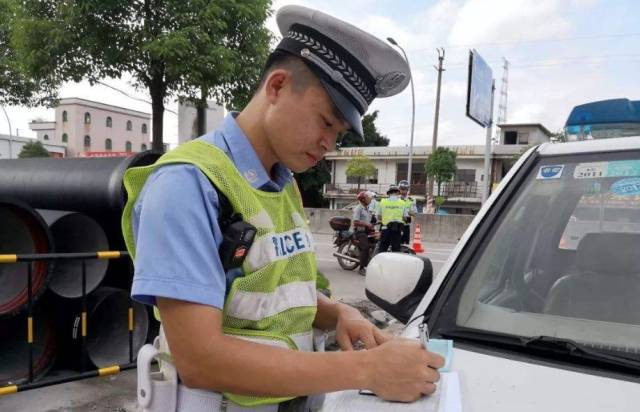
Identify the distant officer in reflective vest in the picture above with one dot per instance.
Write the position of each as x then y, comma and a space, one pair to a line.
403, 186
392, 213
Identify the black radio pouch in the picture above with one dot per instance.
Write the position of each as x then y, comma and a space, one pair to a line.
237, 235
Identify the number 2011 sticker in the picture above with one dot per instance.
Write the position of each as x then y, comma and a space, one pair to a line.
591, 170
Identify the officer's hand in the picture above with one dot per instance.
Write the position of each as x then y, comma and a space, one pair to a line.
353, 327
401, 370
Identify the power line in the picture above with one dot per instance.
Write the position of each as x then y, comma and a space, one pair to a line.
131, 97
516, 42
568, 59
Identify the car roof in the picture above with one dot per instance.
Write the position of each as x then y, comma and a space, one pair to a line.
590, 146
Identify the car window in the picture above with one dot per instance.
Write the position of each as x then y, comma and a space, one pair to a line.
561, 259
602, 211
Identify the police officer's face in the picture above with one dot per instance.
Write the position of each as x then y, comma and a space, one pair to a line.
303, 125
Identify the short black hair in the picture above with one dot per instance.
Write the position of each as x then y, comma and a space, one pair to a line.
280, 59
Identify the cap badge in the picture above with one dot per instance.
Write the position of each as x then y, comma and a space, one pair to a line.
389, 81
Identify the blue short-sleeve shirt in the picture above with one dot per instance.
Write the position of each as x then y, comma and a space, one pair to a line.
175, 224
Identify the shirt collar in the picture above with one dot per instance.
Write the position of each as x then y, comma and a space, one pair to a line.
235, 143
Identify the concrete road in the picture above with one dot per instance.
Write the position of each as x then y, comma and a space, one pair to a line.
118, 393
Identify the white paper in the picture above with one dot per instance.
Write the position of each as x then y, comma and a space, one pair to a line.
446, 398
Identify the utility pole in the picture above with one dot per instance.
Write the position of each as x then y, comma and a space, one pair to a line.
434, 143
502, 105
487, 152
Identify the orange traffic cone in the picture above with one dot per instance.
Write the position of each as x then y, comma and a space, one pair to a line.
417, 240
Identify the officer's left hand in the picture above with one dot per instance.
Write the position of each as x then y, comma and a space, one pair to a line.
353, 327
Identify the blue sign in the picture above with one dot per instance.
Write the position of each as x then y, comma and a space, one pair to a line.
626, 187
479, 90
550, 172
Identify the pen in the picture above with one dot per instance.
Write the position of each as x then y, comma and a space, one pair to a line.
424, 334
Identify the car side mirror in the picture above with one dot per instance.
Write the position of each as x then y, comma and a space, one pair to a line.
397, 282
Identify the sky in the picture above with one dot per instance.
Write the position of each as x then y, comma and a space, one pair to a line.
561, 53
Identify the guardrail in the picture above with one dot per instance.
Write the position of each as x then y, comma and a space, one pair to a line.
29, 259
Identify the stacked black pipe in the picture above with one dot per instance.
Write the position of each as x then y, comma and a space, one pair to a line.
62, 206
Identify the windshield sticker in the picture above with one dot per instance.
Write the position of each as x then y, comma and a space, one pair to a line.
550, 172
626, 187
591, 170
624, 168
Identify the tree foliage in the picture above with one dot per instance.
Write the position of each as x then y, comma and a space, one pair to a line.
372, 136
441, 166
560, 136
16, 87
33, 149
197, 49
310, 183
360, 166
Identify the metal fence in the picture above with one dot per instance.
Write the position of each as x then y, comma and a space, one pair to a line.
32, 383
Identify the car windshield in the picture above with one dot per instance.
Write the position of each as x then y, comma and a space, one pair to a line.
562, 258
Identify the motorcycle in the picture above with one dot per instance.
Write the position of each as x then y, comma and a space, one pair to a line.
348, 252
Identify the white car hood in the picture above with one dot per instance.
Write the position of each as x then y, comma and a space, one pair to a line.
494, 384
491, 383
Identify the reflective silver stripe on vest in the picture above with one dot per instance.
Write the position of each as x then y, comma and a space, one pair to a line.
304, 341
259, 305
278, 246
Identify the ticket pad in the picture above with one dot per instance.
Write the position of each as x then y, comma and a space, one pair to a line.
444, 348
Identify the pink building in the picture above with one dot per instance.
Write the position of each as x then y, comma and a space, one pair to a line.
87, 128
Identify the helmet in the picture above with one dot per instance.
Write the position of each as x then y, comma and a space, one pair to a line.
403, 184
371, 194
393, 189
363, 195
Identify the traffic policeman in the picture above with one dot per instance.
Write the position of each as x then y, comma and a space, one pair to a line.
392, 212
243, 336
403, 186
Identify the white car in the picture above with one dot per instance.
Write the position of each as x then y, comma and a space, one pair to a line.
544, 314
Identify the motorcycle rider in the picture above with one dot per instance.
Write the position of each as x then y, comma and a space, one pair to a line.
362, 226
392, 212
403, 186
373, 206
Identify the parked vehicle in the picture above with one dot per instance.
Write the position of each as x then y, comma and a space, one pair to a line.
542, 309
346, 243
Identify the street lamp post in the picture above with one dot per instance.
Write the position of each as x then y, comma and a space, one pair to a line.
413, 108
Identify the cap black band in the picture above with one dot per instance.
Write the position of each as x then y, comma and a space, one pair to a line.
333, 63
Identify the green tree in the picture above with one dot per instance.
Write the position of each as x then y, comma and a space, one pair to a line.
441, 166
33, 149
16, 88
310, 183
360, 166
197, 49
372, 136
560, 136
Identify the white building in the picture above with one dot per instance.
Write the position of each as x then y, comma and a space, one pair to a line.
463, 194
188, 123
88, 128
523, 134
11, 146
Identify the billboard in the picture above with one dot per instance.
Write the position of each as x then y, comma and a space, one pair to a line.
479, 90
